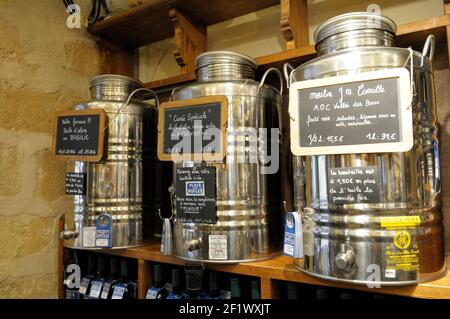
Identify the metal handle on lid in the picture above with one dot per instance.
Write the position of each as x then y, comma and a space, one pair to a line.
428, 48
263, 79
287, 73
146, 90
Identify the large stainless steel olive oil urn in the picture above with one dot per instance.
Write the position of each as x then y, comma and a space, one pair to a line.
249, 205
396, 239
115, 185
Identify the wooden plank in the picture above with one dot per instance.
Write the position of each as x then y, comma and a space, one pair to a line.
144, 278
268, 289
150, 22
115, 59
282, 268
172, 81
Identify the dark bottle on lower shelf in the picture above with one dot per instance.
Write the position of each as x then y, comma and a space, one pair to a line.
292, 291
176, 285
97, 282
85, 284
235, 288
255, 289
110, 283
157, 291
194, 276
125, 289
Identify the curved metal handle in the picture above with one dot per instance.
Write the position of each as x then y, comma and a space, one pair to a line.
146, 90
287, 74
428, 48
263, 79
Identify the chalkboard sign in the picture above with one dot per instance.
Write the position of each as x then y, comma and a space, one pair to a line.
79, 135
75, 183
195, 189
361, 113
353, 185
193, 129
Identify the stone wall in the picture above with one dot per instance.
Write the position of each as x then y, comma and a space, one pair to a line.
44, 67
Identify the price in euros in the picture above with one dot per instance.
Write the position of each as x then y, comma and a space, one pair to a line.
318, 139
382, 137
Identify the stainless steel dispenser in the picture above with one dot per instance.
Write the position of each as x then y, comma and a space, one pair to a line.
350, 242
249, 205
115, 185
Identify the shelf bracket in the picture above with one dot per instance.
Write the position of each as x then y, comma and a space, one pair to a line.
190, 40
294, 23
115, 59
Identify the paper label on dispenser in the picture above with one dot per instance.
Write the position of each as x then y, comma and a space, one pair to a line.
89, 237
218, 245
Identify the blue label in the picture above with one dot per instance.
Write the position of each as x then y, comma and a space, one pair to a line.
152, 293
103, 231
119, 291
289, 239
195, 188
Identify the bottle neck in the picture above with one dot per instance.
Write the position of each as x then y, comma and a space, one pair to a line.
355, 39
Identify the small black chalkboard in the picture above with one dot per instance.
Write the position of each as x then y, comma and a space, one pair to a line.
353, 185
79, 135
192, 129
363, 113
196, 195
75, 183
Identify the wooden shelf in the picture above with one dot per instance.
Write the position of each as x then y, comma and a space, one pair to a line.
150, 22
410, 34
171, 81
282, 268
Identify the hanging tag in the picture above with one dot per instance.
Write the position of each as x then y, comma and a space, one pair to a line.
166, 238
293, 236
103, 231
119, 291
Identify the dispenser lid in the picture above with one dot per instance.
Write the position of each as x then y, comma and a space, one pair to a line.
217, 57
115, 79
354, 21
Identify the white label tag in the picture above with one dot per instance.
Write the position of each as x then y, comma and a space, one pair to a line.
389, 273
218, 247
105, 290
119, 292
84, 286
96, 288
89, 236
151, 293
308, 240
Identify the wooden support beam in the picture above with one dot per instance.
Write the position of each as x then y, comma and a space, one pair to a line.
115, 59
294, 23
144, 278
447, 12
268, 289
190, 40
60, 266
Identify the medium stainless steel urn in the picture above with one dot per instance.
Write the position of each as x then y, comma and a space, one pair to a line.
249, 204
115, 185
396, 239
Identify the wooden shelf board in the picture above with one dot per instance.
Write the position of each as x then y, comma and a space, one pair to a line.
171, 81
410, 34
282, 268
150, 22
